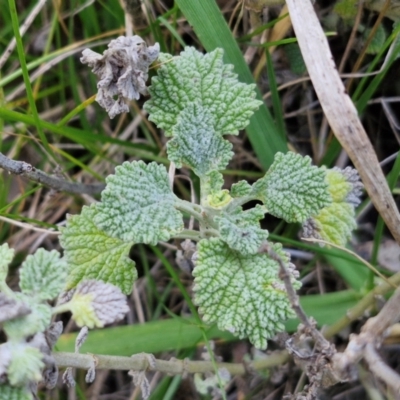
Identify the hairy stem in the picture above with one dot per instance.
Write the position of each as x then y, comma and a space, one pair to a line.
139, 362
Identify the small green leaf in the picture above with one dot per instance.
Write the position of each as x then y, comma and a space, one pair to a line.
26, 364
219, 199
6, 256
293, 189
347, 9
243, 294
196, 144
377, 41
92, 254
36, 321
240, 189
205, 79
241, 230
8, 392
138, 204
43, 275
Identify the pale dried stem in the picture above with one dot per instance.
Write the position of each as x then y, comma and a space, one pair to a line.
340, 110
380, 369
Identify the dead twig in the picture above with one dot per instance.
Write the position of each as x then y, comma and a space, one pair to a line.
36, 175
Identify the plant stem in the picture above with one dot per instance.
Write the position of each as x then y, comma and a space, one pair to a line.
139, 362
189, 208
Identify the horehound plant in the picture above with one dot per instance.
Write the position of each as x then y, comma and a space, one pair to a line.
197, 100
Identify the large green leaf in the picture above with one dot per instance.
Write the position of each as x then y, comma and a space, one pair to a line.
213, 32
92, 254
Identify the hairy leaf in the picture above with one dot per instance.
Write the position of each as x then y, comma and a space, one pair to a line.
241, 230
241, 293
196, 144
26, 364
335, 222
138, 204
292, 188
205, 79
93, 254
240, 189
36, 321
43, 275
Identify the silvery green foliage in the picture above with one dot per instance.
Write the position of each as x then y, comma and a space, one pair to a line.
138, 204
292, 188
241, 229
93, 254
197, 99
43, 275
204, 79
123, 71
196, 144
25, 358
240, 189
241, 293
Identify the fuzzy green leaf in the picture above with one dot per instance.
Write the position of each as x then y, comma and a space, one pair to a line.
138, 204
335, 222
206, 80
36, 321
293, 189
196, 144
26, 364
8, 392
240, 189
6, 256
241, 230
92, 254
43, 275
241, 293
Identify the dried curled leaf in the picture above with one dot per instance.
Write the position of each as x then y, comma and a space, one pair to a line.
123, 71
96, 303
